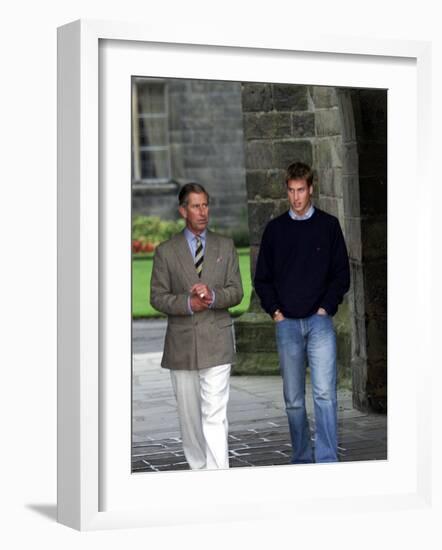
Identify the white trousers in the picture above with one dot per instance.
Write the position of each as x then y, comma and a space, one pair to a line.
202, 397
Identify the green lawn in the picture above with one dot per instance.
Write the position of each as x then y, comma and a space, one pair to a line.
141, 273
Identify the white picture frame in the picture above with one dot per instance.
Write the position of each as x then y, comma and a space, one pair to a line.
84, 466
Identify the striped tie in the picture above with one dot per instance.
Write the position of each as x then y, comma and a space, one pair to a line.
199, 256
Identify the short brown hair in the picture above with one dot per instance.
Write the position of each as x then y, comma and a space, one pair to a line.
299, 171
190, 188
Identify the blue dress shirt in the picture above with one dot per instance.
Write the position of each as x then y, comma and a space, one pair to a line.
305, 216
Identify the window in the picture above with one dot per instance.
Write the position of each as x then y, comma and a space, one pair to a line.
150, 132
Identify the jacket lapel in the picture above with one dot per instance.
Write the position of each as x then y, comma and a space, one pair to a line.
185, 259
210, 257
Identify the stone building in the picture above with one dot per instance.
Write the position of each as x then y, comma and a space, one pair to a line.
237, 139
188, 131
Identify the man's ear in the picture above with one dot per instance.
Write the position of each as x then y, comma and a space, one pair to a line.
182, 211
311, 189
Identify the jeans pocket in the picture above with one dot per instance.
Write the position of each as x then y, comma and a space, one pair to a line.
326, 315
279, 325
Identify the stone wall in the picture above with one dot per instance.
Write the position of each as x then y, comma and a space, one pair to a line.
370, 273
342, 133
284, 123
207, 147
278, 127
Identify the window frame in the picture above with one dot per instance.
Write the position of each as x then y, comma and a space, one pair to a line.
138, 182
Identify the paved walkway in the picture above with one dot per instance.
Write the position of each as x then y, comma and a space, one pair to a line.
258, 430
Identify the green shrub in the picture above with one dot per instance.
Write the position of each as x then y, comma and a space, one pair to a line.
154, 230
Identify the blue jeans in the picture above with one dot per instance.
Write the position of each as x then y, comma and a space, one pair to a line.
313, 339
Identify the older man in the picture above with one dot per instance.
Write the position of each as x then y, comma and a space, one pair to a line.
195, 279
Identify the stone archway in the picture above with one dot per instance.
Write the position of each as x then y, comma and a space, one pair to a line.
363, 115
342, 132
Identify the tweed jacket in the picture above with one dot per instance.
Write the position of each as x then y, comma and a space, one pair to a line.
204, 339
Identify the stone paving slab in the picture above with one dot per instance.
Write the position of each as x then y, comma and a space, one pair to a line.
258, 448
258, 429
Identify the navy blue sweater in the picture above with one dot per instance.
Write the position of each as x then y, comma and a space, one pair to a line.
302, 265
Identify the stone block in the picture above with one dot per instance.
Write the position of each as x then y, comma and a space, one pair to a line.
359, 375
360, 339
255, 332
316, 192
330, 182
340, 215
255, 345
328, 153
255, 183
281, 126
228, 154
263, 363
303, 125
330, 205
348, 129
342, 325
217, 87
177, 85
177, 161
350, 191
357, 279
204, 176
232, 136
327, 122
259, 155
267, 184
350, 159
199, 108
353, 238
288, 151
260, 213
228, 114
275, 177
324, 97
290, 97
199, 86
256, 97
267, 125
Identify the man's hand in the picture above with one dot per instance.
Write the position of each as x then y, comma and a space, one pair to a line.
321, 311
278, 316
197, 304
203, 292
